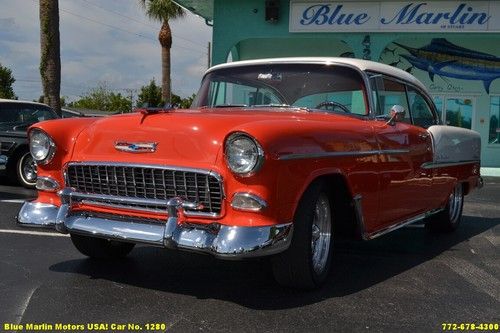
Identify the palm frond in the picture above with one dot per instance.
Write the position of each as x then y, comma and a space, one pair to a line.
162, 10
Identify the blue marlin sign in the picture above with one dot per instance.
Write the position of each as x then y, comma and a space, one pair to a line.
443, 58
331, 16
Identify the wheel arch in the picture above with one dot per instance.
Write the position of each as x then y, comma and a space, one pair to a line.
341, 199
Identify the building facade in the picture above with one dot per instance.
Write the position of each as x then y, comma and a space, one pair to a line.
453, 47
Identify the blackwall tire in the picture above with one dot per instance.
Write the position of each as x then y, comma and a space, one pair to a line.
99, 248
306, 263
26, 170
449, 219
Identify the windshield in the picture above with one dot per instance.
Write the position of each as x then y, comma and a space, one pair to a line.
314, 86
20, 116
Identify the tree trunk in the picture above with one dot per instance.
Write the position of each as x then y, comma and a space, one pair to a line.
50, 58
165, 38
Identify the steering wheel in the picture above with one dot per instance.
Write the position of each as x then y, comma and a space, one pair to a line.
332, 106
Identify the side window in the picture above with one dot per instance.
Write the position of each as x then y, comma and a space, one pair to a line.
390, 93
420, 109
42, 113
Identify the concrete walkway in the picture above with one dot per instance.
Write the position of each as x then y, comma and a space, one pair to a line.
490, 172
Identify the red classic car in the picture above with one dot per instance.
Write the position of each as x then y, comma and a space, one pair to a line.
276, 157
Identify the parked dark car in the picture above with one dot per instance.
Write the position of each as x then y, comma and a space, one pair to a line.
15, 158
80, 112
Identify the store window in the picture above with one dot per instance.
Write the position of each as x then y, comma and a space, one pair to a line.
494, 134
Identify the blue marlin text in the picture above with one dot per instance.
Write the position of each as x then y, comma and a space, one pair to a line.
412, 13
323, 14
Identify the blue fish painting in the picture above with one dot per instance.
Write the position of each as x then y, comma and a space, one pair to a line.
443, 58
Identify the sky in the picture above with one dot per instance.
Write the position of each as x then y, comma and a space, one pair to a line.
107, 42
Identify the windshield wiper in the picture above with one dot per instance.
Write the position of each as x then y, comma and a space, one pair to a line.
229, 106
272, 105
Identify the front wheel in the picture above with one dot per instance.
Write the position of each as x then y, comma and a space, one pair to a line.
449, 219
26, 170
100, 248
306, 263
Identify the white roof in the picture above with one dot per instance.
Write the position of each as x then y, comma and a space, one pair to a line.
3, 100
363, 65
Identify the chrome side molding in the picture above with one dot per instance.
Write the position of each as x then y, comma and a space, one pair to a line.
432, 165
358, 212
331, 154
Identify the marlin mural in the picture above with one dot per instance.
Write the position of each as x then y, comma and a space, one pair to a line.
443, 58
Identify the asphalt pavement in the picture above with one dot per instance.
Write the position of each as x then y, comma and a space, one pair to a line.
407, 281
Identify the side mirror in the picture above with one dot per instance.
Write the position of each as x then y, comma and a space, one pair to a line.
397, 113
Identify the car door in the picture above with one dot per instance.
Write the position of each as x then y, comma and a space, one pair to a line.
404, 148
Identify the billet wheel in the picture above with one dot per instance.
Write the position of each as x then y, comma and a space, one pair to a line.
448, 219
26, 170
306, 263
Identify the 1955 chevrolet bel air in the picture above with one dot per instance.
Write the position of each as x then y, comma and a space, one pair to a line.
276, 157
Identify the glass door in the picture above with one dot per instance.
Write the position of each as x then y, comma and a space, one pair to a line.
455, 110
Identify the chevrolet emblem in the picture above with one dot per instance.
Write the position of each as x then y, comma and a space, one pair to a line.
136, 147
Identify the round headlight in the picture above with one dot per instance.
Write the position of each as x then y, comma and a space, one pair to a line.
42, 147
244, 155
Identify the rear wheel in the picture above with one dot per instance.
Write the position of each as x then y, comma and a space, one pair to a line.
449, 219
100, 248
26, 170
305, 264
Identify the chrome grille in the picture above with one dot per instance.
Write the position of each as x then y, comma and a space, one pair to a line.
147, 182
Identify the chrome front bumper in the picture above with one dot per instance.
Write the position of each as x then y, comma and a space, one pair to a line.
227, 242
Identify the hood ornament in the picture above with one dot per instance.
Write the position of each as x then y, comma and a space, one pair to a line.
136, 147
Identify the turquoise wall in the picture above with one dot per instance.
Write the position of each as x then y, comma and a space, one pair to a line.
240, 29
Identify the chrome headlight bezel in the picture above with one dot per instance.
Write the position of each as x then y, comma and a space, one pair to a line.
49, 146
258, 159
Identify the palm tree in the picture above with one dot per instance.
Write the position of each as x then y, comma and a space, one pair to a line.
50, 58
163, 11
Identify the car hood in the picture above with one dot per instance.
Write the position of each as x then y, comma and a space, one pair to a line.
183, 137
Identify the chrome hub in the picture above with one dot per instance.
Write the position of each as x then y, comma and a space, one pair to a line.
321, 234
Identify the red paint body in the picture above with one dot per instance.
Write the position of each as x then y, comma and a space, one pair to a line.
393, 187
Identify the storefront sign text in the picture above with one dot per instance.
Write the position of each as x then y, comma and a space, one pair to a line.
435, 16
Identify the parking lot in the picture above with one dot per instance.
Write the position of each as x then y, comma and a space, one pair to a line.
409, 280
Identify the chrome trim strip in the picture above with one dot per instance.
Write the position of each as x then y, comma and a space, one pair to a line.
111, 198
143, 209
223, 241
394, 151
36, 214
432, 165
343, 154
401, 224
102, 200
